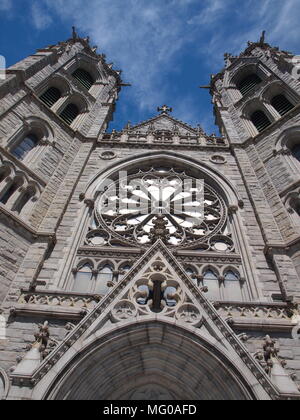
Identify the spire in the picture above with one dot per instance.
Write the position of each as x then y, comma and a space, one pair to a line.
262, 38
74, 33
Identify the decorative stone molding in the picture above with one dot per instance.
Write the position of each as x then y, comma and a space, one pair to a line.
90, 203
274, 366
253, 310
108, 155
218, 159
62, 299
4, 384
123, 310
190, 314
157, 265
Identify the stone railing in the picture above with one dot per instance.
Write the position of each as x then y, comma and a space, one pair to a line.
62, 299
272, 311
255, 310
164, 138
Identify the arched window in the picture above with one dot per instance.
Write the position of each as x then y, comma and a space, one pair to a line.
232, 284
189, 271
156, 187
281, 104
104, 280
297, 207
69, 113
83, 277
192, 273
296, 151
4, 381
169, 296
51, 96
210, 280
23, 200
260, 120
2, 176
124, 270
2, 385
144, 294
9, 192
248, 83
4, 172
28, 143
84, 78
294, 205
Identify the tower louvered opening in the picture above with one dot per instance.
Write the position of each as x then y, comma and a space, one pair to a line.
51, 96
248, 83
25, 146
9, 193
260, 120
84, 78
296, 151
281, 104
69, 113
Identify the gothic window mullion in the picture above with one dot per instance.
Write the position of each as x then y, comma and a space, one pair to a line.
95, 273
103, 278
83, 279
222, 287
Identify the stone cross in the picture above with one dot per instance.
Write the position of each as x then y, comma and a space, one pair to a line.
164, 109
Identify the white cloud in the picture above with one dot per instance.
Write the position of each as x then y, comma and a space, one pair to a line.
40, 17
149, 40
236, 24
210, 12
5, 5
142, 38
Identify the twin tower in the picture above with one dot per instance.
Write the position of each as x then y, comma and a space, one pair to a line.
116, 281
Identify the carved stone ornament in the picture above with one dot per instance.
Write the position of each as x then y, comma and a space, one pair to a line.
156, 291
217, 159
108, 155
189, 314
123, 310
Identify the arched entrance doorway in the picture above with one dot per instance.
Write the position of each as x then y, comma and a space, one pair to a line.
151, 361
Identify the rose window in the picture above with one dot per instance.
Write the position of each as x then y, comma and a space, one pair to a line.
182, 210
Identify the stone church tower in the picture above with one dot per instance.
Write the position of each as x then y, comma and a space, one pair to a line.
158, 262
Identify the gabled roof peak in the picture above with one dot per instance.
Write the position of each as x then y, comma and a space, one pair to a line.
164, 121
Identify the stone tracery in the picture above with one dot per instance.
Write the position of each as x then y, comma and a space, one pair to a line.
128, 212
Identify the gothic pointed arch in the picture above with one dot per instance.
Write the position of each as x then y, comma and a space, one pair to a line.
209, 173
131, 366
4, 384
219, 233
124, 338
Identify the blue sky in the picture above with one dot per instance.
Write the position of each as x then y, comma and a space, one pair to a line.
166, 48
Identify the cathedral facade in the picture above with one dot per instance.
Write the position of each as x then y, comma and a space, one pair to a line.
156, 262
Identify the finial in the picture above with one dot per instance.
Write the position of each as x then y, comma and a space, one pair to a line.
200, 129
165, 109
262, 38
227, 57
74, 33
128, 125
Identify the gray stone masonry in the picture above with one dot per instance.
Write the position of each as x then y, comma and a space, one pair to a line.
43, 245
